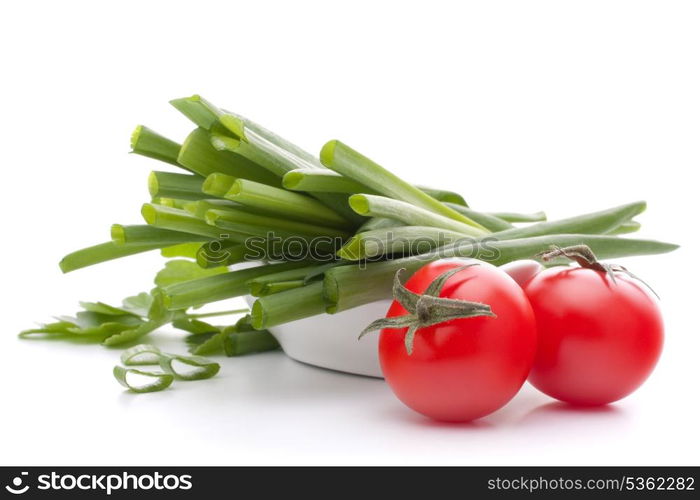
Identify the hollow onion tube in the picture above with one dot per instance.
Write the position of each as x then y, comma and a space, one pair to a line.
278, 148
146, 142
445, 196
202, 113
277, 287
381, 206
256, 284
592, 223
102, 253
490, 222
171, 202
255, 197
520, 217
180, 220
218, 253
200, 208
217, 184
328, 181
218, 287
149, 234
282, 202
348, 162
406, 240
198, 155
170, 185
279, 157
276, 241
288, 305
234, 218
345, 287
370, 244
273, 158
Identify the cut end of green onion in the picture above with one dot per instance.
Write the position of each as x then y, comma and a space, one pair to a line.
217, 184
328, 152
185, 146
210, 217
149, 213
117, 233
257, 315
135, 136
192, 98
147, 142
359, 203
153, 184
351, 250
331, 294
233, 124
235, 188
292, 179
223, 143
197, 109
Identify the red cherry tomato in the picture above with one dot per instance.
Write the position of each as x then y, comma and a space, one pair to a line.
465, 368
598, 340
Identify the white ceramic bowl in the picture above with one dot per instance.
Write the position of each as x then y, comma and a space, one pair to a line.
330, 340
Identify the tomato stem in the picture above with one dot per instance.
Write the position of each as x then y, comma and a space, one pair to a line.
427, 309
584, 257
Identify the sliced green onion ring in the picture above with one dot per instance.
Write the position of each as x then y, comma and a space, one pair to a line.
203, 368
146, 354
140, 355
160, 382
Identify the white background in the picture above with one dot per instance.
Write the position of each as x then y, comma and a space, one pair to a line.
562, 106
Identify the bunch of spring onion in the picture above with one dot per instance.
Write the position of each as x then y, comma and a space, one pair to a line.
326, 234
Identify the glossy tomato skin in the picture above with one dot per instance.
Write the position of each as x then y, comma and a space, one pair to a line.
522, 271
465, 368
598, 341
